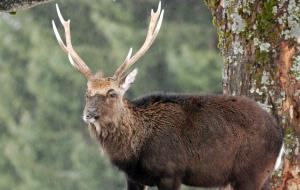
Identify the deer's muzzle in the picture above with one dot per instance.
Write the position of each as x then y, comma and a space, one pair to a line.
91, 115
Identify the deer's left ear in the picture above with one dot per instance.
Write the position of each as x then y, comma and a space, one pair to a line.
126, 83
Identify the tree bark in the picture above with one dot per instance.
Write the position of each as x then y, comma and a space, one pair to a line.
15, 5
259, 41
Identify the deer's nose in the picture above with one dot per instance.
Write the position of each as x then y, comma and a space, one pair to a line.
91, 116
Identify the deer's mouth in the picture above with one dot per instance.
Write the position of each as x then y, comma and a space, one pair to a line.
91, 120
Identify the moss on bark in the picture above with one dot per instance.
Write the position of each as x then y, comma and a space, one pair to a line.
258, 40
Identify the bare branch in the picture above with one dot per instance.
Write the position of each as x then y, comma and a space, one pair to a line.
15, 5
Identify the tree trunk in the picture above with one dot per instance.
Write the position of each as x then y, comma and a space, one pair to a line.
14, 5
260, 44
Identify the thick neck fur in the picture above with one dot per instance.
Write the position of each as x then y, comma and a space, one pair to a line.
122, 139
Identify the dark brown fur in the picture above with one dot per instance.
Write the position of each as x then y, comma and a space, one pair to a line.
165, 140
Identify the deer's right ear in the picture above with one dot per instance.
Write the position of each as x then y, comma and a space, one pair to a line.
129, 79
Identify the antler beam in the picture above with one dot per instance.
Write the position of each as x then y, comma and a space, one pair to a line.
153, 29
74, 58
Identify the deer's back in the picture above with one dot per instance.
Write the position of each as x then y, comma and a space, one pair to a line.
208, 138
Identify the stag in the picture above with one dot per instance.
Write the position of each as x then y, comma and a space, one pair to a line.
166, 140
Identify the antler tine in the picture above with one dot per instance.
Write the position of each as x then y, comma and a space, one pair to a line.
74, 58
153, 29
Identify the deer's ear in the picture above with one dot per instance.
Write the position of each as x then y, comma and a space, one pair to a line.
128, 80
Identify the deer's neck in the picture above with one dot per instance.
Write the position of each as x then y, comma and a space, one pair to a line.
123, 139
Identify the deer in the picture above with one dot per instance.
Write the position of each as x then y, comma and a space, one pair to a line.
169, 139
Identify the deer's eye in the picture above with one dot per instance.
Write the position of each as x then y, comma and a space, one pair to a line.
112, 93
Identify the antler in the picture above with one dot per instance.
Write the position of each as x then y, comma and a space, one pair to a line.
74, 58
154, 27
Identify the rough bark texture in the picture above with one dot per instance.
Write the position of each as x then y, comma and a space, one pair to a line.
14, 5
260, 44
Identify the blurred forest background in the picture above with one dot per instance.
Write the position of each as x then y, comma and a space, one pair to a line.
43, 141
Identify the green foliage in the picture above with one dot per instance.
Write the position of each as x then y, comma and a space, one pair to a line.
44, 142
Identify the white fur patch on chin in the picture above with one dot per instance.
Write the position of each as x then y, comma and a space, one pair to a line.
98, 129
94, 129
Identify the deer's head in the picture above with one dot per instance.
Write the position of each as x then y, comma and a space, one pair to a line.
104, 95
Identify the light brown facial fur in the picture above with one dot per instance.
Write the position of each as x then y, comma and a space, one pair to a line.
101, 86
103, 101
